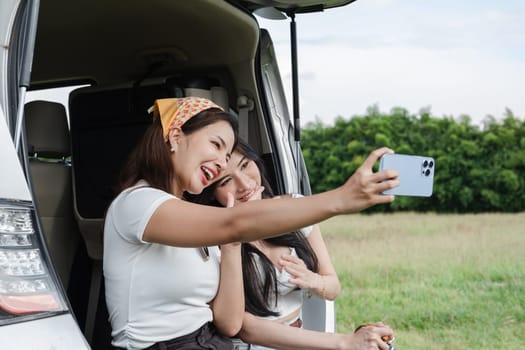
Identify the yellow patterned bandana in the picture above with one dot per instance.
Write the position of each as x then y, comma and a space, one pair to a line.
174, 112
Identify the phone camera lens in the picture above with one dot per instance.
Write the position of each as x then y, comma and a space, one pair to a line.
425, 163
427, 172
431, 164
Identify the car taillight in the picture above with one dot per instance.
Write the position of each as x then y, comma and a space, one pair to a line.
26, 285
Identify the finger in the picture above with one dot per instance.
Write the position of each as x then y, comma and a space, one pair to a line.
293, 259
383, 199
385, 333
295, 270
298, 282
256, 193
374, 157
384, 175
383, 346
375, 191
379, 328
230, 201
370, 332
379, 182
293, 267
289, 266
386, 185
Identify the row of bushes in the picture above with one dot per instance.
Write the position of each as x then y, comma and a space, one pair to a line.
478, 168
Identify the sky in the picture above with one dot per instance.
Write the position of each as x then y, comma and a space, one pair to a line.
452, 57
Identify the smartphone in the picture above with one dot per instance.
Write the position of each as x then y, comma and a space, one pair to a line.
416, 174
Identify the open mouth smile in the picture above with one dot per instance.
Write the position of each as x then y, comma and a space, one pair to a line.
209, 174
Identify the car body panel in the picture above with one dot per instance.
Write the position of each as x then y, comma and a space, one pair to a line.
41, 331
13, 185
8, 10
52, 333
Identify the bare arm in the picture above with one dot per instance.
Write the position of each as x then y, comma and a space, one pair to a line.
185, 224
228, 305
325, 283
276, 335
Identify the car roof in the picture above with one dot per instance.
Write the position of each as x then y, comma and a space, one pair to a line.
120, 40
295, 6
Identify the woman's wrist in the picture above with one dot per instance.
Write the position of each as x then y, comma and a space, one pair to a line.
231, 247
320, 289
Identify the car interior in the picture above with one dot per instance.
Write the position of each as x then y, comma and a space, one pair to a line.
122, 55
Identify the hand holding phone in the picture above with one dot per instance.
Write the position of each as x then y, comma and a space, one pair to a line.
416, 174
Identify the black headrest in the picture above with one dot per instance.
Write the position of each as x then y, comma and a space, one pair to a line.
47, 129
106, 123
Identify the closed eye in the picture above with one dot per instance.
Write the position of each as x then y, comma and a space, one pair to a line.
224, 181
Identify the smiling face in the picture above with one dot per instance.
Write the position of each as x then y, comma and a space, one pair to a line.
241, 178
201, 157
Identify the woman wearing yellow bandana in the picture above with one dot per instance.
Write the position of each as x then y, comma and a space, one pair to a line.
163, 290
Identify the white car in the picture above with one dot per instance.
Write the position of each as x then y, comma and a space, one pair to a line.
111, 59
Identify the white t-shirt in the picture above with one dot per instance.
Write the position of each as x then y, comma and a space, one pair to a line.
289, 297
154, 292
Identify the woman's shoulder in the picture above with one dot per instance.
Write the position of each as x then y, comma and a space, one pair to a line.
142, 188
141, 195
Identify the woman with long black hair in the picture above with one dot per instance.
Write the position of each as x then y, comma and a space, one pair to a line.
277, 271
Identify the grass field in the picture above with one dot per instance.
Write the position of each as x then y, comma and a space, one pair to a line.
441, 281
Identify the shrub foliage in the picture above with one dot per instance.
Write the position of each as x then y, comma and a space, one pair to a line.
478, 168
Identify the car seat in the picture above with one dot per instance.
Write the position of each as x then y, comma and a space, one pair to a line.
49, 149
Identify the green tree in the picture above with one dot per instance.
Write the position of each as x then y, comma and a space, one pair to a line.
477, 169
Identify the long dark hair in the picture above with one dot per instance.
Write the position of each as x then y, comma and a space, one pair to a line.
151, 160
257, 290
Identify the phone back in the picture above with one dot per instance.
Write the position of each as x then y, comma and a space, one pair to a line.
416, 174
